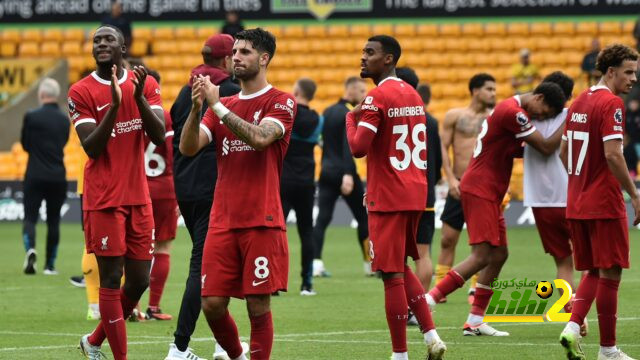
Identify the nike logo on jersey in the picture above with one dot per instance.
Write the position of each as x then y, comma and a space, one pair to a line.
114, 321
254, 283
102, 107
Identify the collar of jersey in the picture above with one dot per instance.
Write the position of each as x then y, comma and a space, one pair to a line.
599, 87
389, 78
517, 97
107, 82
241, 96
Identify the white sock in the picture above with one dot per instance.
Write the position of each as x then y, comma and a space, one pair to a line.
474, 320
608, 350
400, 356
430, 300
431, 336
572, 327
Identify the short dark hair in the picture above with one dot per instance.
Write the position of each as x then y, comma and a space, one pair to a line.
260, 39
477, 81
408, 75
352, 80
307, 87
563, 80
424, 90
118, 31
389, 45
613, 56
553, 96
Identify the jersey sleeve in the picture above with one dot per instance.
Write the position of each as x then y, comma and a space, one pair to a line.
281, 110
208, 123
152, 93
372, 111
79, 110
518, 123
613, 120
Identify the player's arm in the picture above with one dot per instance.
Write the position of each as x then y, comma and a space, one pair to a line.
360, 133
446, 138
618, 167
563, 152
152, 119
193, 137
24, 133
94, 137
546, 146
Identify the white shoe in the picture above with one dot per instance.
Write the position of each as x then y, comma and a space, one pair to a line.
29, 266
436, 350
221, 354
308, 292
175, 354
93, 312
619, 355
482, 329
89, 351
50, 272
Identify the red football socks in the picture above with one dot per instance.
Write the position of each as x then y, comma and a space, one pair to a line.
127, 305
607, 305
481, 300
226, 333
112, 324
261, 336
417, 301
451, 282
585, 295
159, 274
395, 304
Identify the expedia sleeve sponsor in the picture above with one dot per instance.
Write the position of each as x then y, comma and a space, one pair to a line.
405, 111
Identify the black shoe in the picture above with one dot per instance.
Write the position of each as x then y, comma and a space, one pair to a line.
29, 266
77, 281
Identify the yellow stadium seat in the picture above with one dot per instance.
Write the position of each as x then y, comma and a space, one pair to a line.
342, 45
8, 49
462, 60
320, 46
29, 49
504, 89
31, 35
152, 62
524, 42
74, 76
76, 63
163, 33
52, 35
10, 35
574, 58
185, 33
74, 35
495, 29
587, 28
553, 59
473, 30
191, 61
316, 31
481, 46
338, 31
382, 29
518, 29
501, 74
405, 30
569, 44
541, 29
430, 31
456, 45
143, 34
507, 59
438, 60
139, 48
454, 91
486, 60
205, 32
610, 28
627, 27
170, 62
410, 44
435, 45
449, 30
501, 44
163, 47
302, 60
360, 30
548, 43
415, 60
275, 30
293, 32
71, 48
189, 46
174, 77
425, 74
299, 47
564, 28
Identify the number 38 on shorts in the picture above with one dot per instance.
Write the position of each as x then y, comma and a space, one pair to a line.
409, 155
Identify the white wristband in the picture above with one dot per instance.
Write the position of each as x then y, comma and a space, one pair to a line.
220, 110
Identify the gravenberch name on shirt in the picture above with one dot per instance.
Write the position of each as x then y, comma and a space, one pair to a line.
406, 111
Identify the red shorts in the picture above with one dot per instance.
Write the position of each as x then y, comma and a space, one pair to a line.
166, 219
554, 230
485, 220
240, 262
600, 243
393, 238
121, 231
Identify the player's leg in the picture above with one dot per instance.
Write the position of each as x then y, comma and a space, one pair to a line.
225, 331
354, 201
259, 309
55, 197
452, 223
303, 206
328, 194
33, 196
165, 217
92, 284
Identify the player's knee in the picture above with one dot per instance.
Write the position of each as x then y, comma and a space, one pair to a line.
215, 307
448, 242
500, 256
613, 273
258, 305
111, 279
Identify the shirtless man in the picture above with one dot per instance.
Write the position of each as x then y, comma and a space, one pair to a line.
460, 130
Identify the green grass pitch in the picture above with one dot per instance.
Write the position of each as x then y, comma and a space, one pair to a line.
43, 317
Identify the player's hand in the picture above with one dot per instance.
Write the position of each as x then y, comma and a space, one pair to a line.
211, 91
636, 209
140, 75
364, 201
454, 188
357, 113
178, 212
347, 184
197, 94
116, 91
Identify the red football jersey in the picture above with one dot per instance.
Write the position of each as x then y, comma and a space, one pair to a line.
117, 176
596, 116
499, 141
158, 164
247, 192
397, 158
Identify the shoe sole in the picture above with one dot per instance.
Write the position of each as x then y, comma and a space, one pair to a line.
571, 353
78, 285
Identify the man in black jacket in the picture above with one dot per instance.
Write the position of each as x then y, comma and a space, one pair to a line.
194, 179
297, 185
338, 176
45, 132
